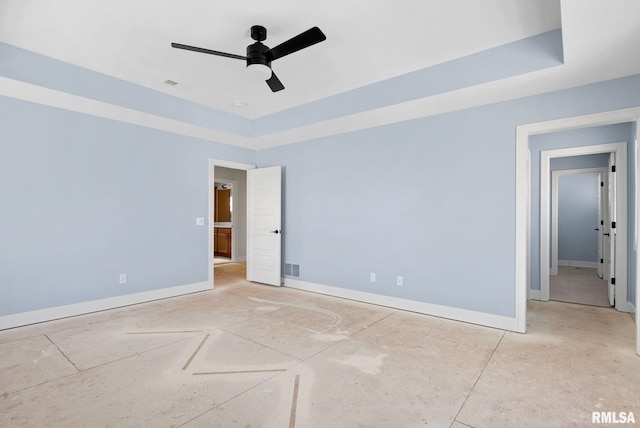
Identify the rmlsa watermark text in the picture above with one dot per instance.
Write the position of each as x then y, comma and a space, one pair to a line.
613, 418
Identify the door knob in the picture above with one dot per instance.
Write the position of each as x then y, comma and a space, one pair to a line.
606, 234
275, 231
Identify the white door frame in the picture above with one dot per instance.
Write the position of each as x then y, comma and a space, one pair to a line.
621, 247
523, 198
212, 164
555, 175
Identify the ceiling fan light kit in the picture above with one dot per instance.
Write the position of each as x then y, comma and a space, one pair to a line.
260, 56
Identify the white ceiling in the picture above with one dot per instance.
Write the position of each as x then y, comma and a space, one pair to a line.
367, 41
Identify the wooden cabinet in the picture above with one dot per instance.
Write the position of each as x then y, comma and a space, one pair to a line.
222, 241
222, 207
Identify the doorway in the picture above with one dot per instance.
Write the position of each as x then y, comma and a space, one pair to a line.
227, 219
523, 198
227, 222
261, 231
579, 201
619, 230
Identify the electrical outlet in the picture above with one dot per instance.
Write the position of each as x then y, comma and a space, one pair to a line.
199, 221
372, 277
123, 278
399, 281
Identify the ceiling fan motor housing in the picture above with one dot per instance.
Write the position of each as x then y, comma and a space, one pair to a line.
256, 54
256, 51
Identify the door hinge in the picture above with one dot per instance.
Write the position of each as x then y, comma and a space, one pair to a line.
602, 184
602, 222
613, 281
601, 260
613, 168
613, 225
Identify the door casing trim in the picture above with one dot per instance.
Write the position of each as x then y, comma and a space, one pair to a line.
212, 188
620, 149
523, 197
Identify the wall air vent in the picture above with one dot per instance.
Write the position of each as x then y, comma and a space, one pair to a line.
291, 270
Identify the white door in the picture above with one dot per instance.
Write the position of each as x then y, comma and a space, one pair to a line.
611, 229
264, 225
600, 228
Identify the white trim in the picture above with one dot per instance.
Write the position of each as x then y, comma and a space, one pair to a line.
535, 295
50, 97
212, 177
586, 121
554, 210
231, 164
464, 315
515, 87
523, 228
620, 149
578, 263
523, 199
637, 204
629, 308
48, 314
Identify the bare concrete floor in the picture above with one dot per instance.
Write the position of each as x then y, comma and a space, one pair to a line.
578, 285
249, 355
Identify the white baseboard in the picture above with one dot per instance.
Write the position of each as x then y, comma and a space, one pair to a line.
535, 294
465, 315
631, 308
578, 263
48, 314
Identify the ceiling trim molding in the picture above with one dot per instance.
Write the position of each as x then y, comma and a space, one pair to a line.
50, 97
516, 87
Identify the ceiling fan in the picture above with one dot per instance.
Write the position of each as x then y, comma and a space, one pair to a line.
259, 56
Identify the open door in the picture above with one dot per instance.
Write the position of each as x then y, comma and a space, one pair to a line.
600, 228
264, 225
611, 227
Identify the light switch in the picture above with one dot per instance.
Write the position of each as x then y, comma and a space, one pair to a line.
200, 221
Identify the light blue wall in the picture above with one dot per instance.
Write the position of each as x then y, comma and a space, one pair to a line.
578, 217
85, 199
558, 140
432, 200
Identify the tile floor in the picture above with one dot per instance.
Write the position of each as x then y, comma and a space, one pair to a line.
578, 285
249, 355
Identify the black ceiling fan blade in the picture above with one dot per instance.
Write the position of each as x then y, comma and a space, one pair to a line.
207, 51
274, 83
303, 40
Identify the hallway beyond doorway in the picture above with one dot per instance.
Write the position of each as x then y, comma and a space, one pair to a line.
578, 285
